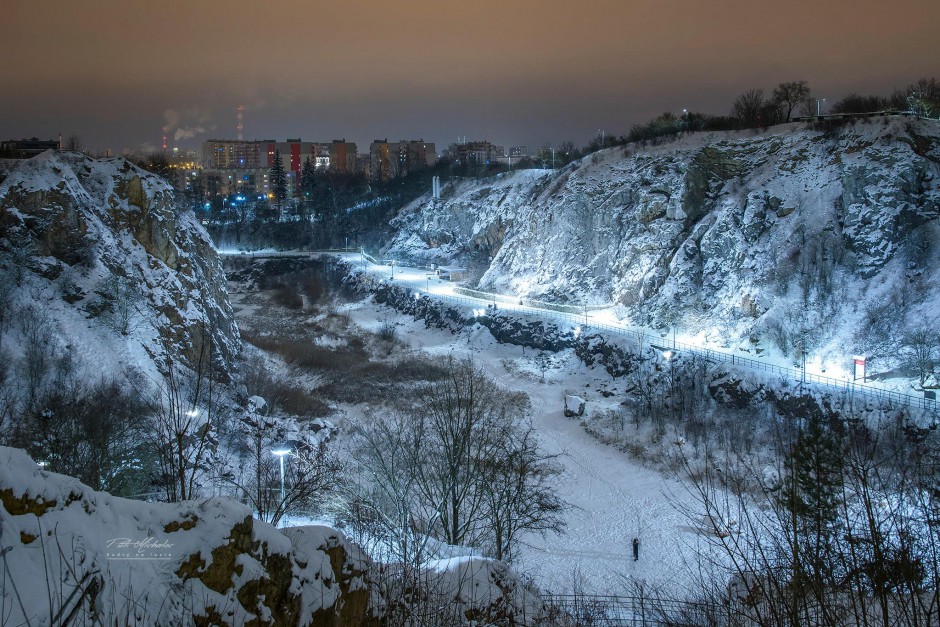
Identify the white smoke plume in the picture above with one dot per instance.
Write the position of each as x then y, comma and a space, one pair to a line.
187, 122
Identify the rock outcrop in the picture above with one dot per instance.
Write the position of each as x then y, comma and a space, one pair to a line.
95, 558
115, 262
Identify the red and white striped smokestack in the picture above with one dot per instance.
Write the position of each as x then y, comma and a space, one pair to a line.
240, 122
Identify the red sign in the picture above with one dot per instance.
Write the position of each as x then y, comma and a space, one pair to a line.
859, 366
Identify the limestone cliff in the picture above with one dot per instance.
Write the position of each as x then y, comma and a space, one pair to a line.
120, 272
820, 237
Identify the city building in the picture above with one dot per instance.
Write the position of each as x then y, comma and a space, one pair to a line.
390, 160
27, 148
477, 153
243, 167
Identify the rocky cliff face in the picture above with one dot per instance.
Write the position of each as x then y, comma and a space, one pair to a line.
119, 272
825, 238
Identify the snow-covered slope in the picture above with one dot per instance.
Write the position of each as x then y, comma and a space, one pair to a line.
791, 237
72, 553
96, 253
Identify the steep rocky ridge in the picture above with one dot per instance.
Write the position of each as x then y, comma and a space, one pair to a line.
772, 240
119, 271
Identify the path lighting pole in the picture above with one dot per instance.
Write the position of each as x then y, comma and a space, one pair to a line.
672, 380
280, 453
818, 101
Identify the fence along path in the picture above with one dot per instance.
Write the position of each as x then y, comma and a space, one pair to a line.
579, 316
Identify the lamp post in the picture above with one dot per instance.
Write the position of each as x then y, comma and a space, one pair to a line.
280, 453
803, 371
818, 101
672, 380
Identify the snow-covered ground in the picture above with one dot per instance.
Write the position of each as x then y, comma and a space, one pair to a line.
614, 499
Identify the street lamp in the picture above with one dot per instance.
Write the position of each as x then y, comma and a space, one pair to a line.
672, 380
803, 372
280, 453
818, 101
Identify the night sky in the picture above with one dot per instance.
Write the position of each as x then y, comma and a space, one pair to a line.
514, 72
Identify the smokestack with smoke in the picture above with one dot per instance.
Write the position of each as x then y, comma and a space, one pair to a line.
187, 122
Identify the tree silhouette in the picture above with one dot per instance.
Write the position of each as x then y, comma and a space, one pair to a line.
278, 181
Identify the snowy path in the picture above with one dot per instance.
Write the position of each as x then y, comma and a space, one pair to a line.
830, 376
614, 499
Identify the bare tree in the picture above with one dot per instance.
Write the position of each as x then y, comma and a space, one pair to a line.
466, 418
386, 500
518, 495
123, 298
461, 466
74, 143
920, 349
310, 468
790, 95
187, 415
748, 108
846, 537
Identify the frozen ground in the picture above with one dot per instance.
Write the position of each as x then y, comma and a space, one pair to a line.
613, 498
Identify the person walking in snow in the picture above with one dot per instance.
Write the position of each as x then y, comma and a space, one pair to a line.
636, 549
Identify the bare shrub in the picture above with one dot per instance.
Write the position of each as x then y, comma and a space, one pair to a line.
281, 393
387, 331
305, 354
287, 296
313, 288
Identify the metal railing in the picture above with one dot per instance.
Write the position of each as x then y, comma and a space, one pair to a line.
583, 320
626, 611
477, 298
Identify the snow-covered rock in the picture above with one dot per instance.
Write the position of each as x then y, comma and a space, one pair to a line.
68, 549
125, 276
791, 237
574, 406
